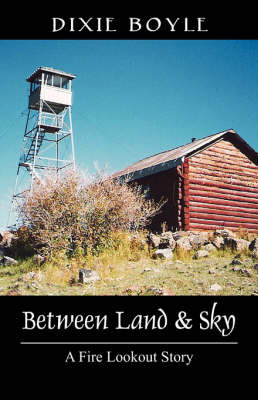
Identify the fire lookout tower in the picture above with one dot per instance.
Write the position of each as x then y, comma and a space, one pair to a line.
48, 137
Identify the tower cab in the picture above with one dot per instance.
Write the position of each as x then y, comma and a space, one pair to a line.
50, 89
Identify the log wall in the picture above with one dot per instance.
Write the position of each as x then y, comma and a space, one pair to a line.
220, 189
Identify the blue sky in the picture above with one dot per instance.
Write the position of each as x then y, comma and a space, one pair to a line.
132, 98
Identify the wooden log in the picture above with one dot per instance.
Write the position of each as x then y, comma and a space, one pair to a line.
218, 201
227, 145
223, 187
223, 179
232, 150
220, 195
227, 174
246, 163
224, 210
217, 183
227, 156
222, 165
219, 169
222, 223
226, 183
208, 164
223, 144
222, 218
210, 227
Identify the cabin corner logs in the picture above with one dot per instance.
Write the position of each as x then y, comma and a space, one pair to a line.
218, 188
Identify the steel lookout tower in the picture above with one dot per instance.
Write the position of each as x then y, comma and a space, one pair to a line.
48, 138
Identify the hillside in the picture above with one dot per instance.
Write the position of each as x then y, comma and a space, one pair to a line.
131, 268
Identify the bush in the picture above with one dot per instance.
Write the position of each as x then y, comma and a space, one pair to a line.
73, 210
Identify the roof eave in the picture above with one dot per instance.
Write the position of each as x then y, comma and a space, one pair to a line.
31, 78
152, 170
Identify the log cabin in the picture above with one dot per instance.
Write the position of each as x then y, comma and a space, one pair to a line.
210, 183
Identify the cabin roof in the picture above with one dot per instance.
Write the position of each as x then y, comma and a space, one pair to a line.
32, 77
173, 157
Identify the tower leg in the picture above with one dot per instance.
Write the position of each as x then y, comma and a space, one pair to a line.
72, 142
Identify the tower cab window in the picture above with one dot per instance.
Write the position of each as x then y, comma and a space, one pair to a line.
49, 79
35, 85
57, 81
64, 83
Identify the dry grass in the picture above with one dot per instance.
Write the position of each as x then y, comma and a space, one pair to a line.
127, 268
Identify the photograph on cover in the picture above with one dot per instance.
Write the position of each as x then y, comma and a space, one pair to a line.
129, 167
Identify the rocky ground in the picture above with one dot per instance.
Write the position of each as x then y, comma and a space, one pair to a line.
181, 263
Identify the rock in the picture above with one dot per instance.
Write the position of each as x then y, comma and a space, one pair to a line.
28, 276
236, 261
177, 235
212, 271
163, 254
132, 289
154, 240
167, 241
215, 287
157, 291
246, 273
209, 247
88, 276
33, 286
256, 267
204, 236
255, 253
237, 244
184, 243
236, 269
202, 253
7, 238
218, 241
242, 271
166, 292
38, 259
225, 233
254, 244
195, 241
9, 261
198, 239
13, 292
147, 269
